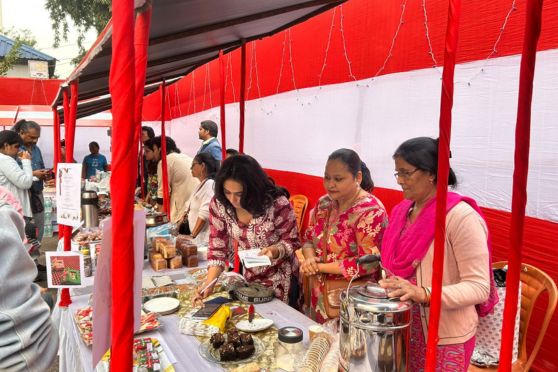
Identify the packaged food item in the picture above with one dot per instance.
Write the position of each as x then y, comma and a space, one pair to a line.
187, 250
167, 250
175, 262
159, 264
191, 261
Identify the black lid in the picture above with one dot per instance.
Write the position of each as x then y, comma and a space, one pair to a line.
290, 335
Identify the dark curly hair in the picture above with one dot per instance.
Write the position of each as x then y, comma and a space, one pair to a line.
258, 189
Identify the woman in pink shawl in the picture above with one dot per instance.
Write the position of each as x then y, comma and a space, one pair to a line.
407, 251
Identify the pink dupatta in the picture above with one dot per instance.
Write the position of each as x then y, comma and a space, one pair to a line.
402, 253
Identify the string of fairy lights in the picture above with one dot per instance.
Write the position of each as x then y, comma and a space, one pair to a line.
494, 50
287, 47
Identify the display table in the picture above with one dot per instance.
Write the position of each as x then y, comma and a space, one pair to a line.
181, 349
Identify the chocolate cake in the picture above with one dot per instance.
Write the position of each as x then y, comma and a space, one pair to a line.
227, 352
217, 339
245, 351
246, 339
235, 340
232, 331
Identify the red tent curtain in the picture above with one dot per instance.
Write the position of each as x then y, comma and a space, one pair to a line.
166, 191
222, 102
242, 96
442, 180
122, 88
141, 43
70, 112
56, 140
521, 168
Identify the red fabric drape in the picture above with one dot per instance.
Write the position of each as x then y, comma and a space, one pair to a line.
521, 168
56, 135
65, 299
446, 104
166, 191
222, 103
242, 97
122, 89
141, 43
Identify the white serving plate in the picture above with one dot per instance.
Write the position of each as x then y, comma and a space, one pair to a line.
256, 325
162, 305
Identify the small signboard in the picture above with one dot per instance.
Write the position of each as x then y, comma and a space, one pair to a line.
38, 69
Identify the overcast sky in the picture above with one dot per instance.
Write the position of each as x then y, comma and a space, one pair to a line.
31, 15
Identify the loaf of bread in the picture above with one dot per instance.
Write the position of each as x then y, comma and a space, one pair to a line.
187, 250
159, 264
191, 261
175, 262
167, 250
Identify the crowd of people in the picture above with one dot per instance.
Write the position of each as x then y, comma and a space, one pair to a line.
232, 205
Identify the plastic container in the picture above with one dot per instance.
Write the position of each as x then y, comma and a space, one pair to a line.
289, 350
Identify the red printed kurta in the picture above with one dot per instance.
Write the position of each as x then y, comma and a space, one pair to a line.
353, 233
277, 226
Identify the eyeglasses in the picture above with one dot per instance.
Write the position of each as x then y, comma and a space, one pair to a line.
405, 174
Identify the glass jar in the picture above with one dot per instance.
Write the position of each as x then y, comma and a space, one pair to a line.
289, 350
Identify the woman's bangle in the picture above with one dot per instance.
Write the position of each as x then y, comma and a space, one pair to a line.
427, 296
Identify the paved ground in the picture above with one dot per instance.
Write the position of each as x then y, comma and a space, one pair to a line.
49, 244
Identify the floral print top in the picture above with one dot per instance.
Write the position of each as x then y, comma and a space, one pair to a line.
352, 233
277, 226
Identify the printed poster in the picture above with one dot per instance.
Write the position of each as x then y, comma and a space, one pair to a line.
64, 269
68, 194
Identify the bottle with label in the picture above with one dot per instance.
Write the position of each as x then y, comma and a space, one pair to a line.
47, 232
48, 205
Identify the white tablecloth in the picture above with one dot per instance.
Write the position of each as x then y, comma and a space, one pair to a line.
75, 356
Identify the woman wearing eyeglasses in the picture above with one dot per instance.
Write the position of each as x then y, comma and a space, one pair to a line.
204, 168
408, 248
346, 223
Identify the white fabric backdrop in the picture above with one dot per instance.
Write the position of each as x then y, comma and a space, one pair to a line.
297, 130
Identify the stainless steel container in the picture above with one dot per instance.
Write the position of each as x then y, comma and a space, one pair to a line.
90, 208
374, 334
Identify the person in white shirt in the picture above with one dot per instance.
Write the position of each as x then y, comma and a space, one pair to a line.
181, 182
204, 168
17, 180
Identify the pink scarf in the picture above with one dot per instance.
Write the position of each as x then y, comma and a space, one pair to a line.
9, 198
402, 253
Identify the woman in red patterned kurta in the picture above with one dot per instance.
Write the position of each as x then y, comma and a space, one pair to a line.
251, 210
353, 221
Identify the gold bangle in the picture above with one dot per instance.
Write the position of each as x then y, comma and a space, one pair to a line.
427, 294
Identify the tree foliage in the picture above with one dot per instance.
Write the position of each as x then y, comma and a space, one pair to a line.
20, 38
84, 14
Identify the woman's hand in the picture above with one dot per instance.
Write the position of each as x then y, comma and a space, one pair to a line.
272, 252
310, 266
399, 287
199, 296
25, 155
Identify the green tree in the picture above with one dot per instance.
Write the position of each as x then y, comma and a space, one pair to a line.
20, 37
84, 14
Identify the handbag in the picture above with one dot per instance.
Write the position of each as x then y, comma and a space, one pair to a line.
333, 287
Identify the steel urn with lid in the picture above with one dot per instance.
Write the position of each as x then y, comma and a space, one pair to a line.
90, 208
374, 330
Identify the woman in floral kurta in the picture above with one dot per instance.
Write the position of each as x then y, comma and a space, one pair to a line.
276, 227
353, 221
251, 210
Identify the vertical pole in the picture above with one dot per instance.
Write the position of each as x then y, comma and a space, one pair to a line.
242, 97
521, 169
452, 32
166, 191
222, 97
123, 181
